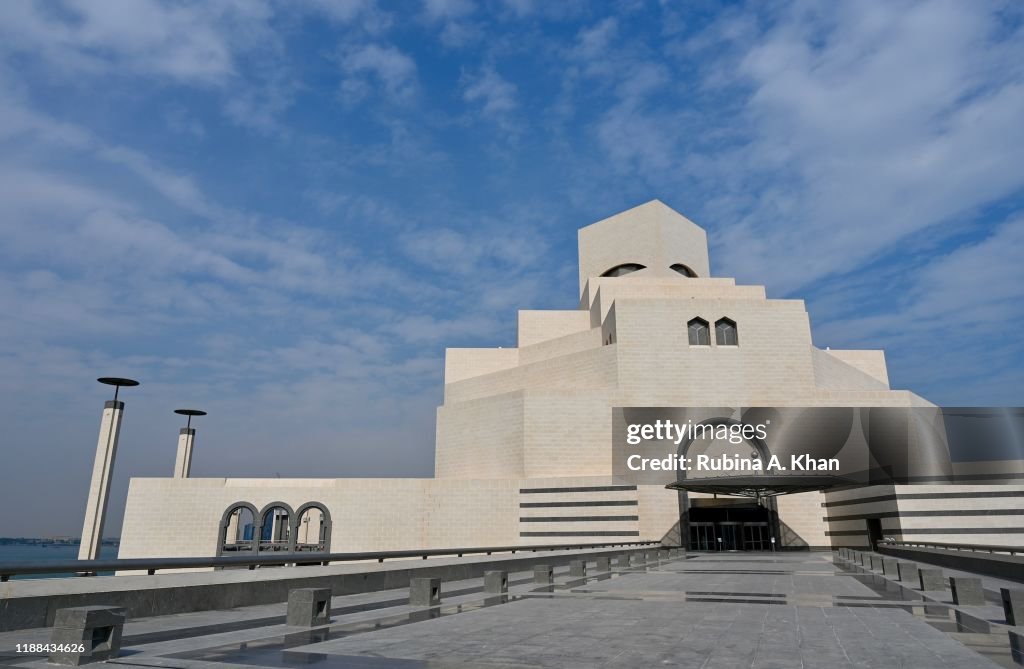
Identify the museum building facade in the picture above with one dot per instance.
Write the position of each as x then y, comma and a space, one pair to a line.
524, 437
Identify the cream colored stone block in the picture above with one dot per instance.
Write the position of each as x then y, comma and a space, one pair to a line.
466, 363
871, 363
651, 234
540, 326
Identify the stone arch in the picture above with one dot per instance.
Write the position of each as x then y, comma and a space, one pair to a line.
698, 332
233, 537
275, 529
623, 269
684, 270
306, 540
726, 332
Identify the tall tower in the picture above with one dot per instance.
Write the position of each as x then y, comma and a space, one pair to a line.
102, 469
650, 240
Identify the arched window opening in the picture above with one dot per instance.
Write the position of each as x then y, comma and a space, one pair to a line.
684, 270
238, 530
275, 529
698, 332
622, 270
725, 333
313, 529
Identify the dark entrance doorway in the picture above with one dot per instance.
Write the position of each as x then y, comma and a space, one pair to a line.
874, 532
730, 527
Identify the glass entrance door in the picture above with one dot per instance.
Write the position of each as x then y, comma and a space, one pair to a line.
755, 537
729, 527
729, 533
702, 537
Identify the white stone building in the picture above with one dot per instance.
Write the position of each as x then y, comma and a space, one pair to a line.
524, 437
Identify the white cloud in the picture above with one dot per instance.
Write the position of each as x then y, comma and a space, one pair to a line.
182, 42
885, 122
593, 43
229, 48
348, 11
520, 8
450, 251
179, 188
953, 327
447, 9
383, 68
837, 133
495, 95
180, 120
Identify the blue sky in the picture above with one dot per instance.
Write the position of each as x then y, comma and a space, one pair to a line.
283, 212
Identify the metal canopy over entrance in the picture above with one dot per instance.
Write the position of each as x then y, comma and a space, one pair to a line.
758, 486
742, 525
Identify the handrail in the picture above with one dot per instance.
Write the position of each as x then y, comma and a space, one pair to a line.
152, 565
972, 548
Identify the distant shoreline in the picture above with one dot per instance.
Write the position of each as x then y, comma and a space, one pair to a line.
51, 541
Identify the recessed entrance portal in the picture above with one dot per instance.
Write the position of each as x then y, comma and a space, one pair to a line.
745, 526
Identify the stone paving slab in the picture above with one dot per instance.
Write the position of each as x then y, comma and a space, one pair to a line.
790, 610
560, 632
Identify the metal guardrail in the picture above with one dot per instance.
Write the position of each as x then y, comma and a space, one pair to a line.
152, 565
971, 548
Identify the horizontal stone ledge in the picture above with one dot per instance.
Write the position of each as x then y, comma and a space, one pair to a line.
1009, 567
32, 603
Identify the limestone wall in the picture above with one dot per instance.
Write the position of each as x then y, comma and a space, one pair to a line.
168, 517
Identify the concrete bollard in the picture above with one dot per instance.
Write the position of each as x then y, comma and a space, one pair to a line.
308, 607
889, 567
87, 633
602, 564
967, 590
543, 574
1013, 605
931, 579
622, 562
424, 591
578, 568
908, 573
496, 582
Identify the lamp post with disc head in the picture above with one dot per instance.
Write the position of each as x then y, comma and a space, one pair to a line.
102, 469
186, 441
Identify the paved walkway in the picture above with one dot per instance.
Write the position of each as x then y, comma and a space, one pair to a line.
725, 610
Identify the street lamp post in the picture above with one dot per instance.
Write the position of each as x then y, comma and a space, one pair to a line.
102, 469
186, 441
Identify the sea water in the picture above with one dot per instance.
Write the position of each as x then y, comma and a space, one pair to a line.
47, 553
